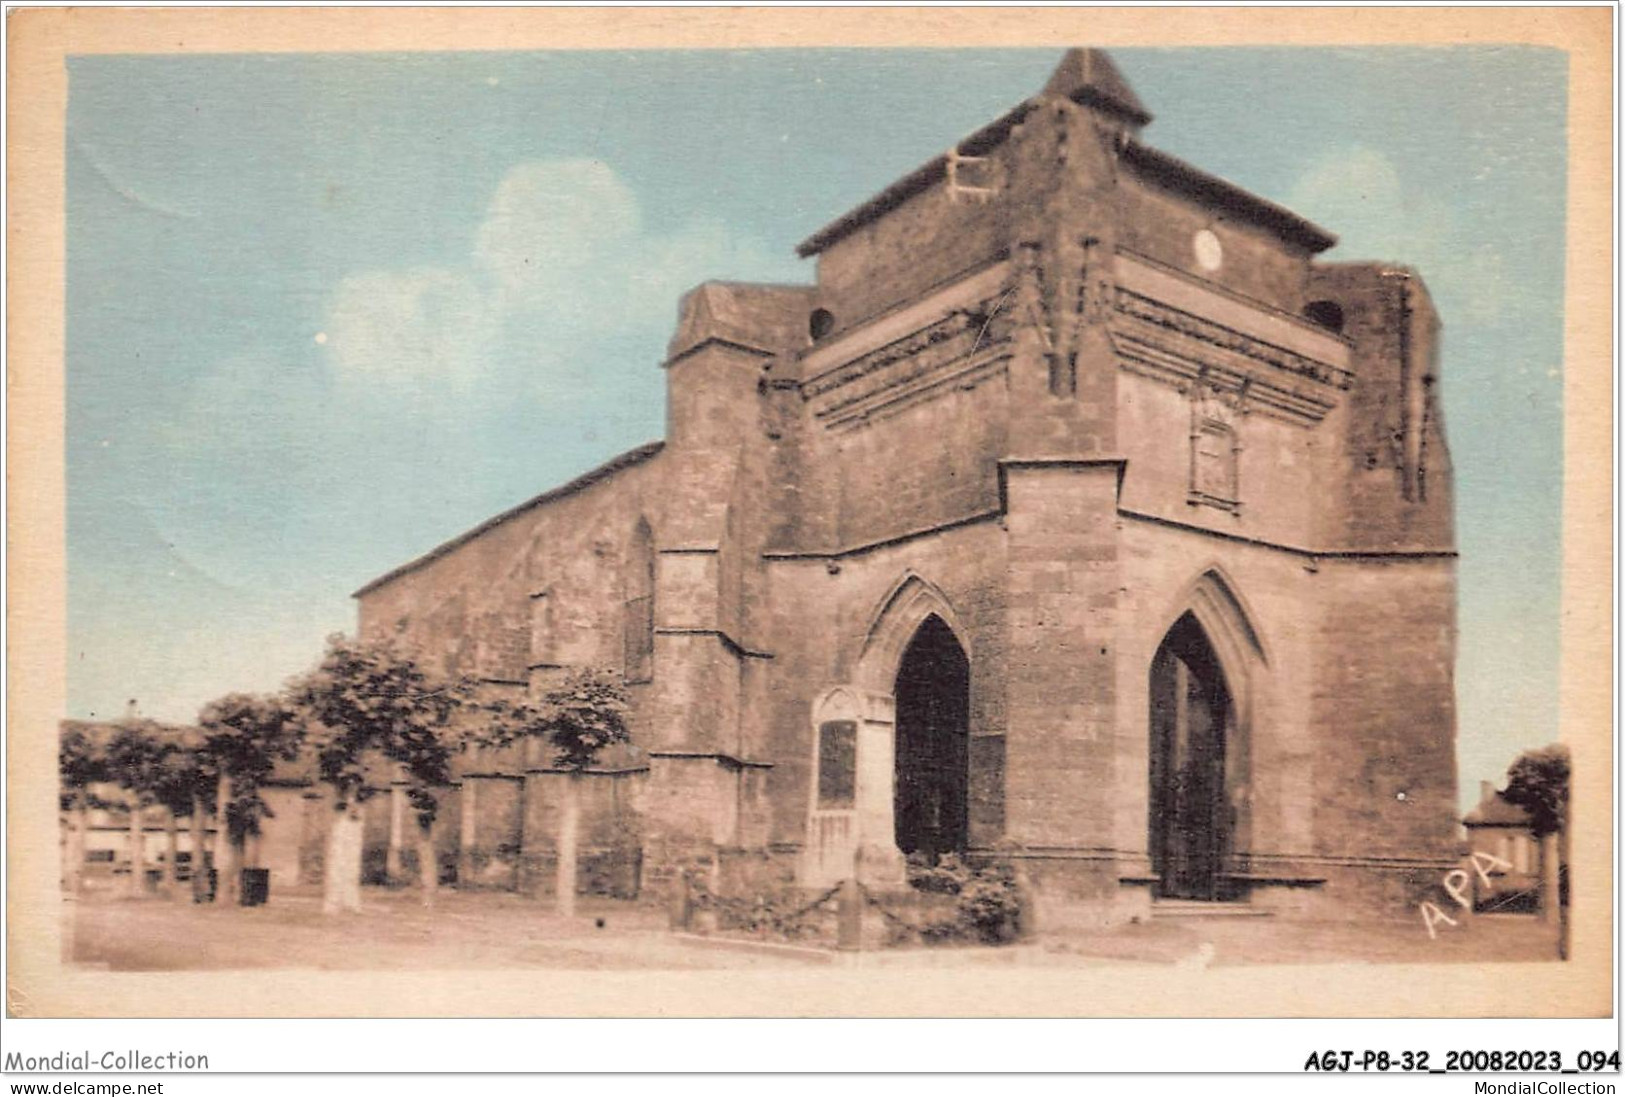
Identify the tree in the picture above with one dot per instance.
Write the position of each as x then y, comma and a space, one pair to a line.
244, 736
81, 765
366, 700
183, 788
1538, 782
137, 757
580, 718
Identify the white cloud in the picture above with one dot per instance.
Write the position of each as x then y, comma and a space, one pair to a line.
560, 262
1361, 192
420, 325
1380, 215
551, 222
432, 380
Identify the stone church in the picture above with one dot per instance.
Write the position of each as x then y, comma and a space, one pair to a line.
1074, 514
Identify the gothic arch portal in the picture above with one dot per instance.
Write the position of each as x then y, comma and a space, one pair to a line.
1214, 600
1206, 678
856, 802
893, 625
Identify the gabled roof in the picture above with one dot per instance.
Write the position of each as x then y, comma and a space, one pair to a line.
585, 480
1494, 810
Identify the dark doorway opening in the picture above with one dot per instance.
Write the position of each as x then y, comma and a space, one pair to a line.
1192, 715
933, 744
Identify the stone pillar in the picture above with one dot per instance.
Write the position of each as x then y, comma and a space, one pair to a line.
854, 837
1061, 704
878, 860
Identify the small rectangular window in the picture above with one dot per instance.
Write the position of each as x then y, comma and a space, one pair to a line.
837, 764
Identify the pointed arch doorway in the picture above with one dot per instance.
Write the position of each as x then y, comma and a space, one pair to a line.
892, 755
932, 779
1193, 721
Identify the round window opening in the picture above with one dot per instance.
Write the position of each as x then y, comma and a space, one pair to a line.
1209, 253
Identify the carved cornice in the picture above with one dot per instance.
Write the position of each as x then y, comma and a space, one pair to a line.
974, 319
1154, 322
1178, 348
962, 347
1272, 401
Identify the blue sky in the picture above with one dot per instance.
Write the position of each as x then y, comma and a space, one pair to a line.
325, 311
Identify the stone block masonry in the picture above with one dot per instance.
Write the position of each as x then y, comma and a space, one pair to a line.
1096, 425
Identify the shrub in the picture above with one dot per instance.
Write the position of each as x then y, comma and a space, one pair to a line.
987, 903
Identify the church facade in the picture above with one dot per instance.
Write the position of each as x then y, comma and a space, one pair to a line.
1074, 515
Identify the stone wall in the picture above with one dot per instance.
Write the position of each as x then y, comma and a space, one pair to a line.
1161, 225
930, 240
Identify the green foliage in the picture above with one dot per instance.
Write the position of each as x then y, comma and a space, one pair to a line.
186, 777
81, 764
242, 736
370, 698
1539, 783
987, 903
138, 757
580, 717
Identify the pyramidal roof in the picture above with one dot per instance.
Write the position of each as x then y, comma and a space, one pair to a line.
1088, 76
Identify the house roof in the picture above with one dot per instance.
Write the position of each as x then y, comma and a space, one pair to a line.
1494, 810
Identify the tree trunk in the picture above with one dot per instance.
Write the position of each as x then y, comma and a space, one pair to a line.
172, 850
428, 862
341, 874
226, 870
138, 856
200, 859
73, 871
226, 886
569, 838
394, 870
332, 898
356, 838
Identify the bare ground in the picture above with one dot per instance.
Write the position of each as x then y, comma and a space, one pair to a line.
1498, 938
497, 930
